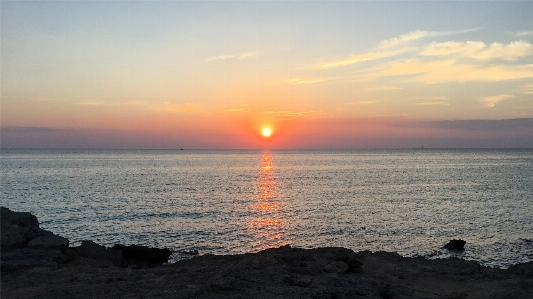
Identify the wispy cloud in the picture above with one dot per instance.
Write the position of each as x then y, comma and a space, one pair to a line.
362, 103
527, 89
479, 50
187, 107
236, 109
432, 103
289, 113
492, 101
91, 103
391, 47
382, 88
524, 33
247, 54
416, 35
221, 57
363, 57
243, 55
304, 80
402, 39
450, 71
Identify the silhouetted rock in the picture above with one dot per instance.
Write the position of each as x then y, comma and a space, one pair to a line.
143, 255
89, 249
18, 228
337, 267
46, 239
455, 245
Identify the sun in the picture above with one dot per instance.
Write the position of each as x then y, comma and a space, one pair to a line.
266, 132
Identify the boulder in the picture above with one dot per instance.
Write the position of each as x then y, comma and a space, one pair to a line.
455, 244
89, 249
46, 239
350, 258
143, 255
17, 228
337, 267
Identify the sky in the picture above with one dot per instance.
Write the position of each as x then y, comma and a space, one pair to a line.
214, 74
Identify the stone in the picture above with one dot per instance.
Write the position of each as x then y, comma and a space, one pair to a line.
89, 249
337, 267
455, 244
143, 254
17, 228
48, 239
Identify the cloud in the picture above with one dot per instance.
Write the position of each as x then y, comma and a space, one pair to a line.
478, 50
416, 35
289, 113
363, 57
225, 57
492, 101
236, 109
221, 57
362, 103
247, 54
433, 103
482, 124
430, 72
91, 103
527, 89
382, 88
411, 36
386, 47
524, 33
187, 107
304, 81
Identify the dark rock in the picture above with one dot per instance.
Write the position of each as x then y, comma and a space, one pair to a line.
89, 249
455, 245
17, 228
143, 255
26, 258
337, 267
46, 239
350, 258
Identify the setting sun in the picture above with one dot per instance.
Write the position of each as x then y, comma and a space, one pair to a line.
266, 132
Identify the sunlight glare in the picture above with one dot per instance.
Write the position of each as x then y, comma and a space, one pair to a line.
266, 132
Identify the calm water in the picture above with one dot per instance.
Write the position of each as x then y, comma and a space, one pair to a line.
227, 202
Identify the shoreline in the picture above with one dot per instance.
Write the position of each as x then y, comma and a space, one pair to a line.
43, 267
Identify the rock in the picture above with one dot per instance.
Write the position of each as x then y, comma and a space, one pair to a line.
143, 255
89, 249
337, 267
350, 258
48, 239
455, 245
26, 258
17, 228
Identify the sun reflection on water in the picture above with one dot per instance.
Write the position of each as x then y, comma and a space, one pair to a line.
268, 226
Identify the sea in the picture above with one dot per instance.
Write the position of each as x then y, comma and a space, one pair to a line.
409, 201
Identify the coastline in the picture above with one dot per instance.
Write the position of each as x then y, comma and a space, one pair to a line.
282, 272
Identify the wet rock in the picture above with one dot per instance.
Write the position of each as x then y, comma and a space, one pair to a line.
337, 267
17, 228
143, 255
455, 244
89, 249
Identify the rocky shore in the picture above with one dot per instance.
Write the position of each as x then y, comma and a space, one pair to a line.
39, 264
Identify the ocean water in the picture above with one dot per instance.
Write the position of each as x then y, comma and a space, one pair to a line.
228, 202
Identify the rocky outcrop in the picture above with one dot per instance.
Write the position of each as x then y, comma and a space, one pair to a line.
21, 229
142, 256
455, 245
89, 249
